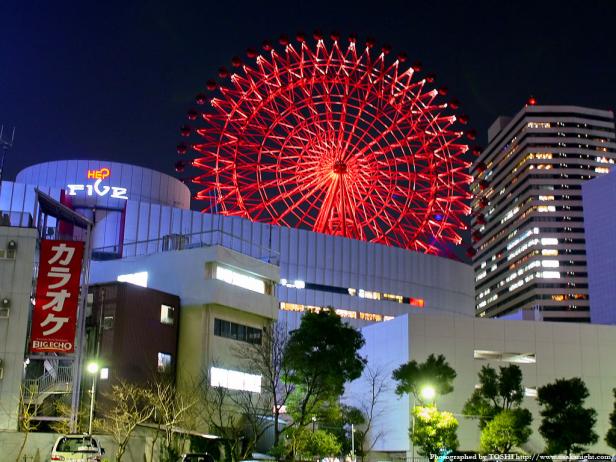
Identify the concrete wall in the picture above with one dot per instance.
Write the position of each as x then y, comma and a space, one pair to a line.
183, 273
561, 350
16, 276
199, 348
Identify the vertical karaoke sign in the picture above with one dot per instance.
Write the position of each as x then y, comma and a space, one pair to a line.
54, 319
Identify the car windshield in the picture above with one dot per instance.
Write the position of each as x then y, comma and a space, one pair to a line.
79, 444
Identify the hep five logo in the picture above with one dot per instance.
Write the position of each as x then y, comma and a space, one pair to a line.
99, 174
98, 189
55, 345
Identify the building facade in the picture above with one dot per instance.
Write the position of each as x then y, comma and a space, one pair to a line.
600, 224
132, 333
528, 223
150, 214
18, 250
544, 351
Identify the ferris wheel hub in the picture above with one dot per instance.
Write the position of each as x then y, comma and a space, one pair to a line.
340, 167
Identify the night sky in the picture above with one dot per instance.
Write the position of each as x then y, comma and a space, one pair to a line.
103, 80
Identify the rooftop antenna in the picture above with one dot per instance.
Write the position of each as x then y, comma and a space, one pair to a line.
6, 143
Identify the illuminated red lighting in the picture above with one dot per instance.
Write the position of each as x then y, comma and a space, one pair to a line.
532, 101
338, 140
418, 302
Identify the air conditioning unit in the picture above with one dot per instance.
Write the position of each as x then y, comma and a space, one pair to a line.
5, 311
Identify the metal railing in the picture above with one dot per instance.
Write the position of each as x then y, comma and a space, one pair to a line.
58, 380
172, 242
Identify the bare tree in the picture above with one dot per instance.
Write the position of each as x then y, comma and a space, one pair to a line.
377, 384
265, 359
126, 407
172, 409
27, 414
62, 409
239, 417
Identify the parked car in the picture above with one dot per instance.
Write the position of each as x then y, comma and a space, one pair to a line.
69, 448
194, 457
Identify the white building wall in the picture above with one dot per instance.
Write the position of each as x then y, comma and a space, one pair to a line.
142, 184
183, 273
599, 196
16, 276
562, 351
385, 350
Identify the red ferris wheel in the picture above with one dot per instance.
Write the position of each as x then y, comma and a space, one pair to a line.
335, 138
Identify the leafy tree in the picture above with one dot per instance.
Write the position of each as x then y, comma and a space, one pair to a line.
509, 428
322, 443
337, 418
610, 437
566, 424
434, 431
125, 407
435, 372
320, 357
498, 391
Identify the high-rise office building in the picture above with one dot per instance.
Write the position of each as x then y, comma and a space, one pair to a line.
528, 227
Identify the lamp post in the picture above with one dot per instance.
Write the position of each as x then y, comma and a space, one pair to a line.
427, 393
92, 369
353, 442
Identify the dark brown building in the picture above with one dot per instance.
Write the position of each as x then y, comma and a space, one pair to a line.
133, 331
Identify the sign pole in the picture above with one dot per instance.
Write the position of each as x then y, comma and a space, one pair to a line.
80, 337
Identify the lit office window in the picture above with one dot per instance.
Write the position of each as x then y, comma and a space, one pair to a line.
239, 279
235, 380
164, 362
516, 358
167, 315
530, 392
138, 279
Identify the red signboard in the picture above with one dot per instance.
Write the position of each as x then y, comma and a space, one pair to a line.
57, 297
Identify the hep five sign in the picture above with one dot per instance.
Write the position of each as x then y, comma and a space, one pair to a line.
57, 297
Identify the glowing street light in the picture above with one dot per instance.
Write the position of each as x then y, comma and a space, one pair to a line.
92, 368
428, 393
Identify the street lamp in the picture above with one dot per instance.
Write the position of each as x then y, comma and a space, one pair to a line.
92, 368
428, 393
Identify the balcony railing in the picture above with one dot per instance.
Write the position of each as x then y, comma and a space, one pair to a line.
173, 242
